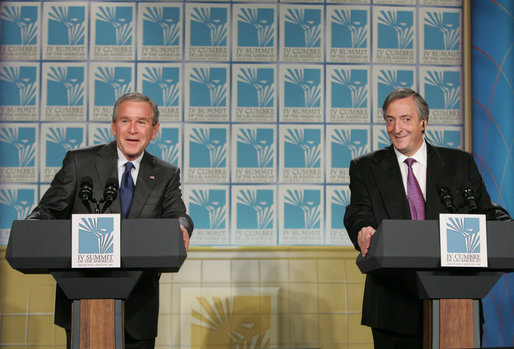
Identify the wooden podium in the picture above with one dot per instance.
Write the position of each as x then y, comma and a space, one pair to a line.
44, 246
450, 295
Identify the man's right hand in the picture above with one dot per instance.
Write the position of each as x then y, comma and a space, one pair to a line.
364, 239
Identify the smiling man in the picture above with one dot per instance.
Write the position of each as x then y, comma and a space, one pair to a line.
403, 181
156, 194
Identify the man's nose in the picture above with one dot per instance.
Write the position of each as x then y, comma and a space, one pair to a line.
132, 127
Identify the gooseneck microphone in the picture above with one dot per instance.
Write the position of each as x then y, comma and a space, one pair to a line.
446, 198
110, 193
86, 192
471, 199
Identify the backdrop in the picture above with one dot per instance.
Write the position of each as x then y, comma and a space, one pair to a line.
493, 130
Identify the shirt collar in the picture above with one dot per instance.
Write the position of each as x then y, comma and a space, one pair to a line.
122, 159
420, 156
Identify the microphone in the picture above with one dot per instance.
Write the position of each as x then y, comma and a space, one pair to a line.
447, 199
86, 192
471, 199
110, 193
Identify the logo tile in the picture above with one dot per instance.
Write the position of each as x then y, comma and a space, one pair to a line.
344, 143
208, 206
19, 91
301, 218
207, 92
338, 197
255, 95
301, 154
18, 146
64, 92
302, 93
254, 209
255, 34
163, 84
348, 98
58, 139
348, 34
66, 26
208, 32
20, 34
206, 152
301, 36
108, 82
160, 26
394, 33
254, 154
112, 31
441, 37
442, 90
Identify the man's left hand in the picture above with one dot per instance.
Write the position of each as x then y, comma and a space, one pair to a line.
185, 235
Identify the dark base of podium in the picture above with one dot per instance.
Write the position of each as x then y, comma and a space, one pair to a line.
451, 323
97, 323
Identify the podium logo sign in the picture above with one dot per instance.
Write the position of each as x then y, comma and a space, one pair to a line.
95, 241
463, 240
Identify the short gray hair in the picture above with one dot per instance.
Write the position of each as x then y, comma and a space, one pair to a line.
136, 97
400, 93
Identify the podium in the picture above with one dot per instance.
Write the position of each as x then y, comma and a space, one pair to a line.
44, 247
450, 295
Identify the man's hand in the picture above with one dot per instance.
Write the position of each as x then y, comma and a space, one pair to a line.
364, 239
185, 235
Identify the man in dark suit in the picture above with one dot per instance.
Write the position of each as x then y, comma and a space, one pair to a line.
156, 194
380, 189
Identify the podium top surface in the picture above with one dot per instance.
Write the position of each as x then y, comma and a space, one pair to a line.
44, 246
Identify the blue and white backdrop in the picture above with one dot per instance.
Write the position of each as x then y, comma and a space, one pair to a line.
263, 104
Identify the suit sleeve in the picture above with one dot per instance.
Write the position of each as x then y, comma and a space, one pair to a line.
57, 203
486, 205
173, 205
359, 212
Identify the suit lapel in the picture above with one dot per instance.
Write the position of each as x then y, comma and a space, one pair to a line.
146, 180
106, 167
438, 175
390, 185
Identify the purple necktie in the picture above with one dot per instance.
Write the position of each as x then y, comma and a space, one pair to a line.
414, 194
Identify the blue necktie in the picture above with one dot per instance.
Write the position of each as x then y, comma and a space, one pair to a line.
126, 190
414, 194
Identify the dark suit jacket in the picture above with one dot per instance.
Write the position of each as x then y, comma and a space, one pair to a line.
377, 193
157, 195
